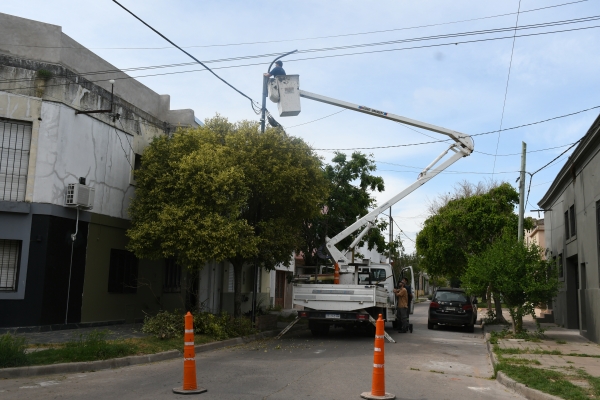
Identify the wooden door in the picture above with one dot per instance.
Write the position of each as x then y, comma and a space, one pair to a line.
279, 288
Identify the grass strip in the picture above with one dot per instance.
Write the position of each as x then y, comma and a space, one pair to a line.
547, 381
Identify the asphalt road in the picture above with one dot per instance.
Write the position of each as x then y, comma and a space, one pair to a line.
427, 364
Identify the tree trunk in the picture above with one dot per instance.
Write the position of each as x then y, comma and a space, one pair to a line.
498, 304
237, 288
488, 297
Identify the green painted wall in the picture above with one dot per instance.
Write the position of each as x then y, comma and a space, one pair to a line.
106, 233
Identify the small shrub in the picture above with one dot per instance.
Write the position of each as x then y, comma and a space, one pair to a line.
164, 325
12, 351
222, 326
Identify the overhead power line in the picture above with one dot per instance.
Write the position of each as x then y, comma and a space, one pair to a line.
329, 49
320, 37
547, 165
512, 51
476, 134
185, 52
320, 57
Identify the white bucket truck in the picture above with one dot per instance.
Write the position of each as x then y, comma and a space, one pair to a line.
357, 292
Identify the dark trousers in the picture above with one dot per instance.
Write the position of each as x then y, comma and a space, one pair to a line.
403, 317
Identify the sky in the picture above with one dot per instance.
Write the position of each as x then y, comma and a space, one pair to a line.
471, 87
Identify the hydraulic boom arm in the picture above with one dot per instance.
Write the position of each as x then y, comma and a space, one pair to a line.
462, 147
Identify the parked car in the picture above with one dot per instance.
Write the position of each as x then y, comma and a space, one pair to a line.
450, 306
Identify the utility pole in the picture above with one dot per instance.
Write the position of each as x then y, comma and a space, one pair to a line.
391, 232
263, 110
522, 192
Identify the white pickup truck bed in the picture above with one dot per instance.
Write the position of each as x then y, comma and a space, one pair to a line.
340, 297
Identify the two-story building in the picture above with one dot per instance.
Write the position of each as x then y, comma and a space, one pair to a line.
572, 230
46, 81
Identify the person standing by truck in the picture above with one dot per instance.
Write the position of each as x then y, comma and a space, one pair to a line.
402, 306
409, 292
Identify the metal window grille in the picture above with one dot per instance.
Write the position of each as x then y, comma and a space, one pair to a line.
172, 283
10, 252
123, 272
15, 142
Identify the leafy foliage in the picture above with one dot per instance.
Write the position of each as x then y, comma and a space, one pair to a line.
12, 351
466, 226
166, 325
351, 183
517, 272
225, 191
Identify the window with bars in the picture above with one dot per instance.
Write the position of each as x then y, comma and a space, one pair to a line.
172, 282
15, 141
10, 255
123, 272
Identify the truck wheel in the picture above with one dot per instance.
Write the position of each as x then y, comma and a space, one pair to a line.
429, 325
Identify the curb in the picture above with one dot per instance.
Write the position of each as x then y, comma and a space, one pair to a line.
90, 366
525, 391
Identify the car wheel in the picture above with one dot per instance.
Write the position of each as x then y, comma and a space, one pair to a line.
470, 328
429, 325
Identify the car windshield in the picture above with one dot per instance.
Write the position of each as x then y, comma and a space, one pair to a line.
451, 296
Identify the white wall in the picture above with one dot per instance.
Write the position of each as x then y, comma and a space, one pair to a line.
72, 146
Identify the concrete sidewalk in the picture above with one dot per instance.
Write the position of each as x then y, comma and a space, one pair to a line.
562, 350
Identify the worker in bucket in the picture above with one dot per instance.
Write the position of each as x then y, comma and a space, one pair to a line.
278, 70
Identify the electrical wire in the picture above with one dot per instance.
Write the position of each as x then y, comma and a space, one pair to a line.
518, 154
476, 134
547, 165
326, 56
125, 152
327, 49
506, 88
315, 120
185, 52
398, 226
315, 37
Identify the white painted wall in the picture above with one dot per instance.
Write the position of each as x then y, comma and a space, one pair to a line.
72, 146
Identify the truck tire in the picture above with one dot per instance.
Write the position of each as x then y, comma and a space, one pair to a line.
429, 325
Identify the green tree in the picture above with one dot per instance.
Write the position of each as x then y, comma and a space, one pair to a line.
225, 191
466, 226
351, 185
517, 272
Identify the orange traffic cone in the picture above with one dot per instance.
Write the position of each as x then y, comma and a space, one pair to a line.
378, 385
189, 360
336, 274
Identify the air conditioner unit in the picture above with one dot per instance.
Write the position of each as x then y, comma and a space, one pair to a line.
79, 195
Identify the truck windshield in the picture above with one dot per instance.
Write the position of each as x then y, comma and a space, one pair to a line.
378, 275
